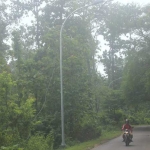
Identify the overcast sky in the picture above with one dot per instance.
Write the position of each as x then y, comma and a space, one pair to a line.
141, 2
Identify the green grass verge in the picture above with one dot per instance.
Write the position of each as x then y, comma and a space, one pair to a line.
90, 144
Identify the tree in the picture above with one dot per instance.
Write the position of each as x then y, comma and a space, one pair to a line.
114, 27
3, 35
16, 113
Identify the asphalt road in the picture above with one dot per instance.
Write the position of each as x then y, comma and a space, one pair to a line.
141, 141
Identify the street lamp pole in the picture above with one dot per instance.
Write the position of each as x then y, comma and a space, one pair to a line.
61, 71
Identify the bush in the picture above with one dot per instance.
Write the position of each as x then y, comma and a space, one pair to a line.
89, 132
134, 120
119, 116
9, 137
147, 120
70, 141
104, 119
39, 142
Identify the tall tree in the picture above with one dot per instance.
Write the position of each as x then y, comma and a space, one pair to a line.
3, 36
114, 26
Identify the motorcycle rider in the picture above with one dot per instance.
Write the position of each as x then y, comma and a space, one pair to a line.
127, 126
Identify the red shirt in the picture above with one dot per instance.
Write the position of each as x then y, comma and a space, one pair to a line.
127, 126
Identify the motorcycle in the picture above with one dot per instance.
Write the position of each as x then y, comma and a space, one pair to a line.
127, 137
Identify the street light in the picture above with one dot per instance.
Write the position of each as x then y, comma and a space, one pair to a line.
61, 72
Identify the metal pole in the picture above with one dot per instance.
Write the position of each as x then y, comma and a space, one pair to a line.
61, 79
61, 71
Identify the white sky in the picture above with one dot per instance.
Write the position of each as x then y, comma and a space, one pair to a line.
141, 2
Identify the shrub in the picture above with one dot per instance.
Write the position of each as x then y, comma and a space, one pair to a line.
40, 142
70, 141
89, 132
134, 120
147, 120
9, 137
89, 127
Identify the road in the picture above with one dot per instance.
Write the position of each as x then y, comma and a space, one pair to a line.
141, 141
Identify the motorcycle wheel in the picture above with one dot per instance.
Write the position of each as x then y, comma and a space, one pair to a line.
127, 141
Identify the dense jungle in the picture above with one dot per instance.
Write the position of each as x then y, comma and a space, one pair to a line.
106, 70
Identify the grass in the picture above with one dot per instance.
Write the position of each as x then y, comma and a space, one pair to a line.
106, 136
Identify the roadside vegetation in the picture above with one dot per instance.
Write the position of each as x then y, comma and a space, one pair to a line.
106, 136
95, 105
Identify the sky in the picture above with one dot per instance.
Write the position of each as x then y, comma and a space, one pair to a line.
141, 2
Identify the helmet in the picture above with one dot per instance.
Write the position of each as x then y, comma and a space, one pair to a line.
127, 121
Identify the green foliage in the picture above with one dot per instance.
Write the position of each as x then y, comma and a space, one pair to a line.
30, 83
110, 120
39, 142
89, 128
90, 144
139, 117
14, 147
15, 114
9, 137
147, 121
